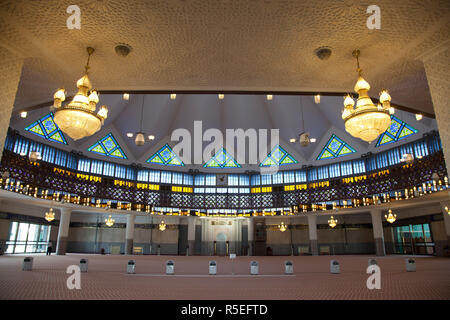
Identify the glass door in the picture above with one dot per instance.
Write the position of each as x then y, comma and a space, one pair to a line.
413, 239
27, 238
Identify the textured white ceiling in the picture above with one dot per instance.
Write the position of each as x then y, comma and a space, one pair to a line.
224, 45
245, 45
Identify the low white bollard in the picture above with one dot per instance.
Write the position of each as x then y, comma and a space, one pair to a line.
170, 267
84, 265
372, 262
288, 267
27, 264
410, 265
335, 267
254, 268
131, 266
212, 267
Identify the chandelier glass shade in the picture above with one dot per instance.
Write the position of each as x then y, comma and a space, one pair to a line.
79, 118
282, 227
110, 221
366, 121
332, 222
162, 226
390, 217
50, 215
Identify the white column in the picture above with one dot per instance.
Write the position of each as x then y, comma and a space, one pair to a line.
250, 236
446, 219
437, 69
312, 229
378, 235
10, 69
129, 234
191, 234
63, 231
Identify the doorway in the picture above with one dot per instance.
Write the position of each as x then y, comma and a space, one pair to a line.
413, 239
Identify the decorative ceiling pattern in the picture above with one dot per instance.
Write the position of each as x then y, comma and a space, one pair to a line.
397, 130
222, 159
278, 157
166, 157
46, 128
334, 148
109, 147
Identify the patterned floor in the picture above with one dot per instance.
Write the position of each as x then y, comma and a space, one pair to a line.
107, 278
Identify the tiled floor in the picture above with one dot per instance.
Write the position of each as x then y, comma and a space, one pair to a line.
107, 278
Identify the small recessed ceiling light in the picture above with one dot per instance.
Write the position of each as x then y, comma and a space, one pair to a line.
173, 96
419, 117
129, 135
221, 96
23, 114
391, 110
269, 97
312, 140
317, 98
126, 96
292, 140
151, 137
22, 154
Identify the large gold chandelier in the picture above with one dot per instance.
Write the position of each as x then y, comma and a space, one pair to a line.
50, 215
78, 118
366, 121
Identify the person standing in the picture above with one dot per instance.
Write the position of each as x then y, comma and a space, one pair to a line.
49, 248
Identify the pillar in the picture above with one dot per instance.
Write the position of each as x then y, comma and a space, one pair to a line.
312, 229
377, 225
10, 69
129, 235
446, 219
437, 69
63, 231
191, 234
251, 236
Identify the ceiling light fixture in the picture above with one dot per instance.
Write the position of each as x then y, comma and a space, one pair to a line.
173, 96
34, 156
419, 117
292, 140
282, 227
390, 217
140, 136
221, 96
366, 121
50, 215
78, 118
391, 110
126, 96
269, 97
110, 221
23, 114
312, 140
332, 222
407, 157
303, 137
317, 98
162, 226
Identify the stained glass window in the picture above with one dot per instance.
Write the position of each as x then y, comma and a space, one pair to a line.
398, 130
222, 159
109, 147
335, 147
46, 128
278, 156
166, 157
